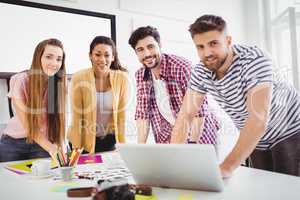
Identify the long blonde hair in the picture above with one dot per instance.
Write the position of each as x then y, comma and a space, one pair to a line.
38, 84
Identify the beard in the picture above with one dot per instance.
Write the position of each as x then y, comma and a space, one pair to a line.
151, 66
216, 64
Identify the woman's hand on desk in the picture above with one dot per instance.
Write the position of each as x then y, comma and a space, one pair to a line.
53, 152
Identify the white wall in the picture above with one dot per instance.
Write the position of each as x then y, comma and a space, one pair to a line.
171, 17
254, 23
4, 114
41, 24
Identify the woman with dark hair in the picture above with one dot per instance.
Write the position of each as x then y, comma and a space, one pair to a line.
98, 98
38, 98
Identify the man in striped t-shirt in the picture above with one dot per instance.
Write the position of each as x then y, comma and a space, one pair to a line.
161, 85
263, 107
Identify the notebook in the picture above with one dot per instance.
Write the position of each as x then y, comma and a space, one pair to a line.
183, 166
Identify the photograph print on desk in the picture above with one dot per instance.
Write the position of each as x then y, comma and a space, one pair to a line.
89, 159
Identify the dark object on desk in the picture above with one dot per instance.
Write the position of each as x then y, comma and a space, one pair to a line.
81, 192
141, 189
29, 165
119, 192
85, 177
122, 192
114, 189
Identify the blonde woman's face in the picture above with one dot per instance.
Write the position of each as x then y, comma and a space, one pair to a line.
52, 59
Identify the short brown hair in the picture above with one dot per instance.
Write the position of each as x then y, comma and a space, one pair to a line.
207, 23
142, 33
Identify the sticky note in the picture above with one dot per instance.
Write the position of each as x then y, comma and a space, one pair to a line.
185, 197
144, 197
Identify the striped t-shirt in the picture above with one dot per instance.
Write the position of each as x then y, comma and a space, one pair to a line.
249, 68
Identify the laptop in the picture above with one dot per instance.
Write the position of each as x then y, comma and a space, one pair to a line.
182, 166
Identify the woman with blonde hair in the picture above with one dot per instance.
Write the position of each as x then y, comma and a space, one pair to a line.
38, 98
99, 97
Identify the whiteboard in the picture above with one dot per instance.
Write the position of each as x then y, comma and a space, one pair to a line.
24, 26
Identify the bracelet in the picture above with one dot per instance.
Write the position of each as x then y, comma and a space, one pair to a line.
192, 142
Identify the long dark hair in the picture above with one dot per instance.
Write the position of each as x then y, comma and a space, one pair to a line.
115, 65
56, 84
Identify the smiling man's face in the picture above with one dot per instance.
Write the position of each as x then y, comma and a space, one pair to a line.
149, 52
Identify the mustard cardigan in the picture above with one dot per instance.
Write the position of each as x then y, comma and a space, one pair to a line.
82, 132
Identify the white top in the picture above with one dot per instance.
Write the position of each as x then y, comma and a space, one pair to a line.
104, 112
163, 100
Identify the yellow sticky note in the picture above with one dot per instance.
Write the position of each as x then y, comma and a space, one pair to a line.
53, 163
185, 197
143, 197
21, 167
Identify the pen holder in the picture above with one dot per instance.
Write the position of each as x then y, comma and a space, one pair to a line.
67, 173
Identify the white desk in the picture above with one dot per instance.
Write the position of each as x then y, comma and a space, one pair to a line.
246, 184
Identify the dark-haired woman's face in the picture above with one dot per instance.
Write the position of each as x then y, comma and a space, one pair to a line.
52, 59
102, 57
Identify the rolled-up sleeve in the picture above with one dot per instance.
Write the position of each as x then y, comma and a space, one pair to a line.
142, 97
196, 83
